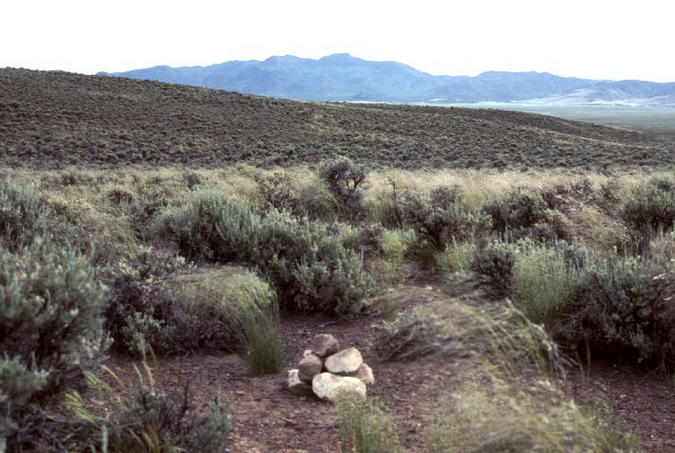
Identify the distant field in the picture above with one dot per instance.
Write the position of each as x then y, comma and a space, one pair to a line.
657, 120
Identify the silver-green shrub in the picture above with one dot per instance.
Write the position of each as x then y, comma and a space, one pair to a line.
51, 325
310, 268
23, 214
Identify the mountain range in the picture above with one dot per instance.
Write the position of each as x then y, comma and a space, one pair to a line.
342, 77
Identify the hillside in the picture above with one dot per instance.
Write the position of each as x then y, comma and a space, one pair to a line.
54, 119
341, 77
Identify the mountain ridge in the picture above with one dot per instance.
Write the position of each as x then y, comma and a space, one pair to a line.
342, 77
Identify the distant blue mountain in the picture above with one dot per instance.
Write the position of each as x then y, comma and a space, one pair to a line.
341, 77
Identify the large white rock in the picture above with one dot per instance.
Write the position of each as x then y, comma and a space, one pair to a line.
330, 387
344, 362
310, 366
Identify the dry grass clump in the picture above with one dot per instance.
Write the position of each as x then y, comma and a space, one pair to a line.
480, 186
228, 307
501, 335
513, 422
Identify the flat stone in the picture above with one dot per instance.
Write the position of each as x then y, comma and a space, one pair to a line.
324, 345
309, 367
344, 362
365, 374
331, 387
295, 385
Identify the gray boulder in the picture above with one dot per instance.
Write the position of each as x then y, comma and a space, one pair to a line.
295, 384
324, 345
365, 374
309, 366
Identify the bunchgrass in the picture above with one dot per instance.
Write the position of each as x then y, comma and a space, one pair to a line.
394, 249
259, 340
518, 422
456, 258
365, 427
501, 336
542, 283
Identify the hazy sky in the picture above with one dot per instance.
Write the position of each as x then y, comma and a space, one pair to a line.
594, 39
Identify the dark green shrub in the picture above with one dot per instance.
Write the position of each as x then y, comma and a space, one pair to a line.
51, 326
365, 239
23, 214
310, 269
623, 306
524, 213
145, 418
346, 180
158, 302
134, 312
192, 179
149, 201
651, 207
119, 196
495, 265
150, 419
316, 202
442, 218
209, 227
277, 193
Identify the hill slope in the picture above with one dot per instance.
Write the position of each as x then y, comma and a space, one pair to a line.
52, 119
341, 77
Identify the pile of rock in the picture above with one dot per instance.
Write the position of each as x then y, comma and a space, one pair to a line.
330, 372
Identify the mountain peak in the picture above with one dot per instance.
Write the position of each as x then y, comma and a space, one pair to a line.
338, 58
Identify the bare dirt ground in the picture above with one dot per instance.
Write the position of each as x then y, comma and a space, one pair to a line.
642, 399
271, 419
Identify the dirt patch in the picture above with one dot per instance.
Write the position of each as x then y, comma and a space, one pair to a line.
271, 419
643, 400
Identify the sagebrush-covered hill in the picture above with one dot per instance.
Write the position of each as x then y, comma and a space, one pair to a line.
55, 119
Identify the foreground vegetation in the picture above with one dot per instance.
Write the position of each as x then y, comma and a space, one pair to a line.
159, 262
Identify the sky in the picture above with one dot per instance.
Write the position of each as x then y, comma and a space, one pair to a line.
589, 39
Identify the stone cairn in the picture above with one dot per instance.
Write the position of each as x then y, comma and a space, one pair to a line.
329, 372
